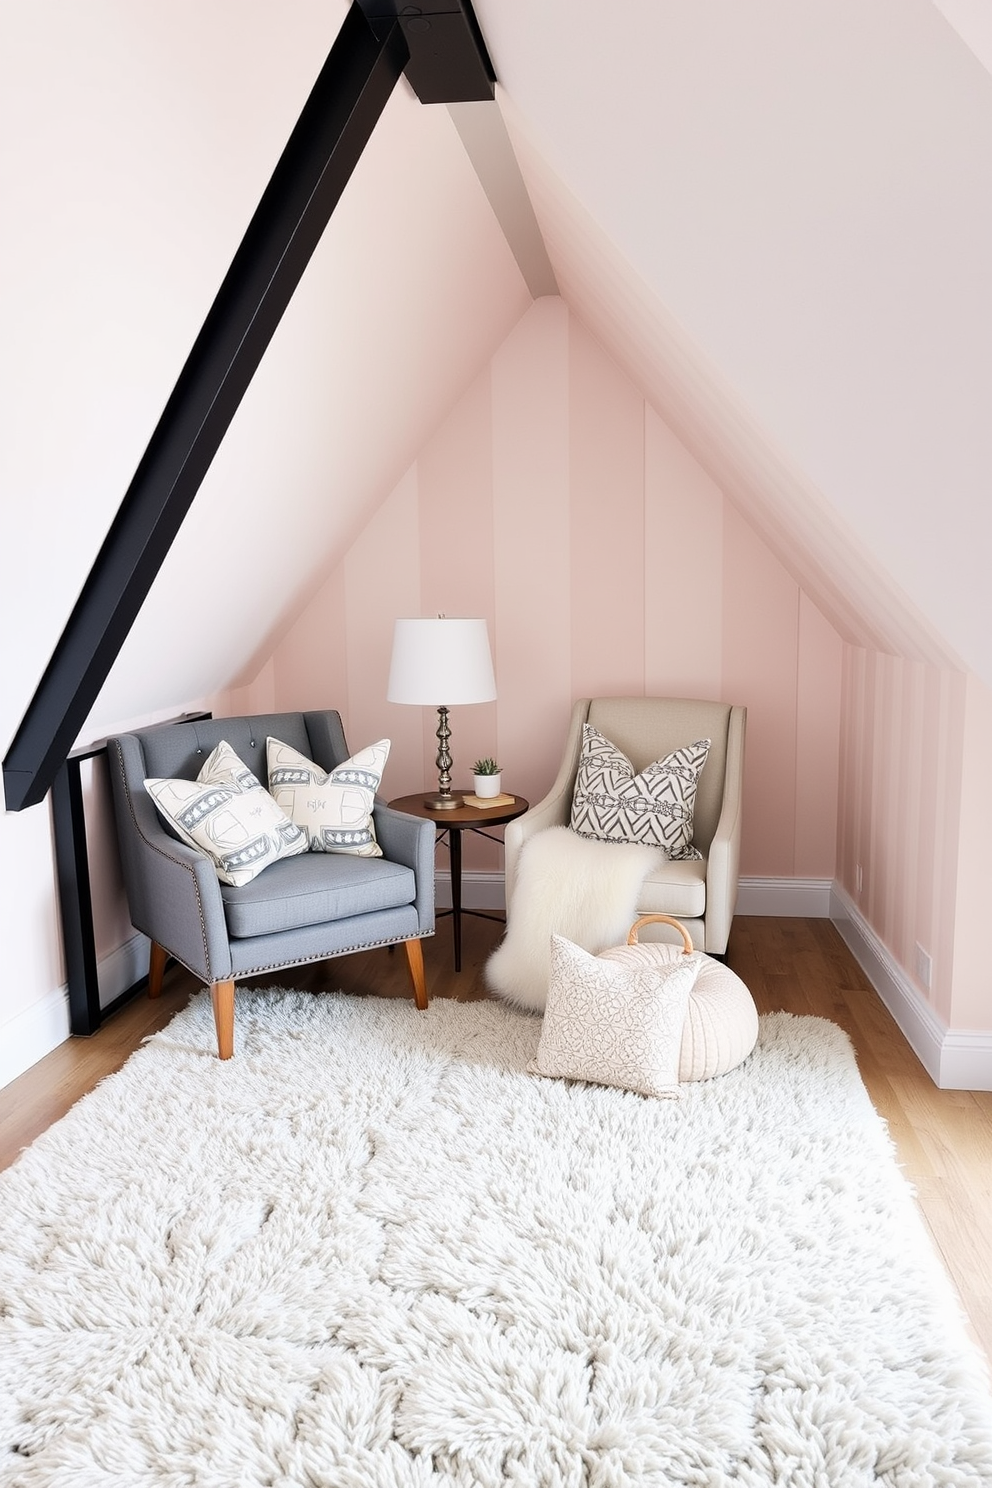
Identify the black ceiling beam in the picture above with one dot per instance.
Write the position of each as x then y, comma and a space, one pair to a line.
354, 85
448, 58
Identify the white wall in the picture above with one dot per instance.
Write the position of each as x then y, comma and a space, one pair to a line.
135, 142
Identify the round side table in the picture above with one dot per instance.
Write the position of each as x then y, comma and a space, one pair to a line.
452, 822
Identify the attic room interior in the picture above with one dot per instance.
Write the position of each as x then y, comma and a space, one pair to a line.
672, 361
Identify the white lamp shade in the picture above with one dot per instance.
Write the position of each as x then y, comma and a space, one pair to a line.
438, 663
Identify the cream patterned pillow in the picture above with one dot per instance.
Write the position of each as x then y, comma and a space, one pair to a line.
333, 808
227, 814
612, 804
623, 1030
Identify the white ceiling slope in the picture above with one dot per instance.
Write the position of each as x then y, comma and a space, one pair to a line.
779, 219
410, 289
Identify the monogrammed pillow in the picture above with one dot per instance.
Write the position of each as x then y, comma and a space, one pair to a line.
227, 814
333, 808
612, 1024
611, 803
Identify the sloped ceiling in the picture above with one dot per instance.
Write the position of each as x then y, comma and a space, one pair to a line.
136, 142
779, 219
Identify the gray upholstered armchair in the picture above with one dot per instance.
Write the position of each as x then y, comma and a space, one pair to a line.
702, 894
300, 909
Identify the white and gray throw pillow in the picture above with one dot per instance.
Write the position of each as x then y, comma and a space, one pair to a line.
613, 804
226, 813
621, 1030
333, 807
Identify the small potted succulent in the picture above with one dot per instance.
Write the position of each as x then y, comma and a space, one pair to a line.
487, 776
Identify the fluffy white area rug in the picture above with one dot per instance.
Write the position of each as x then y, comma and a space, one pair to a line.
372, 1252
565, 885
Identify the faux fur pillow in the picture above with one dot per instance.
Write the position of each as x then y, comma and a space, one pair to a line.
565, 885
613, 804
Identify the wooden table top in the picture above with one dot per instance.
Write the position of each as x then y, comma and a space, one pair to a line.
460, 815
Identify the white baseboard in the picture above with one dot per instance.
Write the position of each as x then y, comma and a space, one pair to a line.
479, 891
30, 1035
34, 1033
958, 1059
792, 898
123, 967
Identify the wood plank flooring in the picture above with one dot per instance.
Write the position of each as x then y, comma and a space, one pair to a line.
943, 1137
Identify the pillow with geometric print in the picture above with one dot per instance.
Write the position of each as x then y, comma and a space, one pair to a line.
613, 804
226, 813
333, 807
614, 1029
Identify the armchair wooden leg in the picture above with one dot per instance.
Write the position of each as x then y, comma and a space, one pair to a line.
156, 969
415, 962
222, 997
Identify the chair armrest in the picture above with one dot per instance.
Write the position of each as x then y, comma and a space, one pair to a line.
410, 840
173, 891
723, 857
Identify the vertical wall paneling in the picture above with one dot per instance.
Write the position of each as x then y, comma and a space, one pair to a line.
818, 697
683, 570
532, 545
455, 472
760, 657
971, 986
608, 558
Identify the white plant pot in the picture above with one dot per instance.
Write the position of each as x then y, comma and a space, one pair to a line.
486, 785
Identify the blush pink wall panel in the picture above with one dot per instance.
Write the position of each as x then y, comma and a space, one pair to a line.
455, 472
310, 662
817, 711
532, 546
608, 539
971, 989
683, 580
382, 562
760, 659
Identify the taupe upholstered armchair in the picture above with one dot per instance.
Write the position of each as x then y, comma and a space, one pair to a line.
701, 894
300, 909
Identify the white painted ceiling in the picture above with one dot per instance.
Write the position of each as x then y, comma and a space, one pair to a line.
780, 217
776, 216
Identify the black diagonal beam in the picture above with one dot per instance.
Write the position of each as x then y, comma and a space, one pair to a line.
348, 97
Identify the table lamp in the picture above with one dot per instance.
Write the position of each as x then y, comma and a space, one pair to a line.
437, 663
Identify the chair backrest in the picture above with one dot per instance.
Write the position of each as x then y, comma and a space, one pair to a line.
648, 728
179, 750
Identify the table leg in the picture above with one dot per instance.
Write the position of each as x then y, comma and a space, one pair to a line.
455, 860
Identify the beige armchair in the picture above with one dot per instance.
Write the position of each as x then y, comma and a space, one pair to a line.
701, 894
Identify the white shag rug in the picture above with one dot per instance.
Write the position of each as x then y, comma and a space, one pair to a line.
565, 885
372, 1252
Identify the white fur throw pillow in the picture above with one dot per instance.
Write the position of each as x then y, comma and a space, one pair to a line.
613, 1024
566, 885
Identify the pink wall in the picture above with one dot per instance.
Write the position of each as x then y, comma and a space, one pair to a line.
555, 502
916, 741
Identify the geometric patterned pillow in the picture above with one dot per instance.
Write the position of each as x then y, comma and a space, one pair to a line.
333, 809
613, 804
613, 1024
227, 814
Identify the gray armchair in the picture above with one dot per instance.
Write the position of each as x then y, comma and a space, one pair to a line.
300, 909
701, 894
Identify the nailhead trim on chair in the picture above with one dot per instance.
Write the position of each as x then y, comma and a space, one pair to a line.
365, 945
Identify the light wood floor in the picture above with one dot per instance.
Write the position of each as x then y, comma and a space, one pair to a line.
943, 1138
